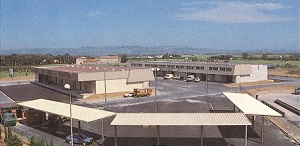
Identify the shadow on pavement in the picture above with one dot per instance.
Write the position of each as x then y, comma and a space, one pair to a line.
174, 141
237, 132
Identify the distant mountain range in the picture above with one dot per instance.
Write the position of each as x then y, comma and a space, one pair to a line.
132, 50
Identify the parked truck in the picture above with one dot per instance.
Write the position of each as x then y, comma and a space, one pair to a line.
142, 92
8, 119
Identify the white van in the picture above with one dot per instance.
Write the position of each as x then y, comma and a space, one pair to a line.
168, 76
297, 90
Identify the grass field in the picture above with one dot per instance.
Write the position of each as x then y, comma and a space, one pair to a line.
16, 74
274, 62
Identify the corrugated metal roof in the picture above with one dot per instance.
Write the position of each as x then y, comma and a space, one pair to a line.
249, 105
63, 109
180, 119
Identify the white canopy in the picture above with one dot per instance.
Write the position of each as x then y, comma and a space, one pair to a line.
180, 119
63, 109
249, 105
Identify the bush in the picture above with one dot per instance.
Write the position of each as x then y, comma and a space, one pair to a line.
13, 140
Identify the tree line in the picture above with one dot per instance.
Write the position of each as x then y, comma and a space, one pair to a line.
265, 56
35, 59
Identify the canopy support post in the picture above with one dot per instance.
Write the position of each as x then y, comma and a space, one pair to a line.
246, 137
115, 135
262, 129
201, 127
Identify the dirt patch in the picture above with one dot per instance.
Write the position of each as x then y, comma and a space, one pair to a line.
19, 78
281, 72
108, 95
271, 89
265, 82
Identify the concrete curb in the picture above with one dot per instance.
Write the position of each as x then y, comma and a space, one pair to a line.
287, 133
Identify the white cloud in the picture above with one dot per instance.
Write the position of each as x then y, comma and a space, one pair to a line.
94, 13
231, 12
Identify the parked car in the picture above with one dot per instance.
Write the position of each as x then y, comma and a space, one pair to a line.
197, 79
177, 77
168, 76
297, 90
190, 78
128, 95
80, 138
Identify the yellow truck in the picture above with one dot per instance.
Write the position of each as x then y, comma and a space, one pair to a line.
142, 92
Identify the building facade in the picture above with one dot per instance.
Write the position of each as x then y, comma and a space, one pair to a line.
99, 60
92, 79
210, 71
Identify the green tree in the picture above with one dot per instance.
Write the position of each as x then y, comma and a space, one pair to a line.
13, 140
36, 142
245, 55
195, 58
124, 59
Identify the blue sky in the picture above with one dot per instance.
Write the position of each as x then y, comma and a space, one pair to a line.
232, 25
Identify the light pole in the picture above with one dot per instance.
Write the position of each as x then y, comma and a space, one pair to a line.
155, 73
186, 71
156, 104
67, 86
206, 77
105, 86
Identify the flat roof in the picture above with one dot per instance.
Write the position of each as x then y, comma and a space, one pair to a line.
180, 119
249, 105
87, 68
63, 109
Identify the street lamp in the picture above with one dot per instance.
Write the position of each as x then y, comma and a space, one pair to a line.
155, 73
104, 76
186, 70
67, 86
156, 104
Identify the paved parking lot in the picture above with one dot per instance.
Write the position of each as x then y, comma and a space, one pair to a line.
173, 96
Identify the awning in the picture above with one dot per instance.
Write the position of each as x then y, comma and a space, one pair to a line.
63, 109
180, 119
249, 105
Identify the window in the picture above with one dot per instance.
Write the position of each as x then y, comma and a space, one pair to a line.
200, 67
190, 67
228, 69
213, 68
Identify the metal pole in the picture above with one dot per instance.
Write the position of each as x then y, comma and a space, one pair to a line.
158, 135
115, 135
186, 72
105, 86
206, 78
253, 120
262, 129
246, 137
79, 127
71, 121
201, 127
102, 128
156, 104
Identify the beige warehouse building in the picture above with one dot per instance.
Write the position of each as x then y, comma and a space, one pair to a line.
212, 71
92, 79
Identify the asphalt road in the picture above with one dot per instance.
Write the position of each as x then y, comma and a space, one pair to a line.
173, 96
